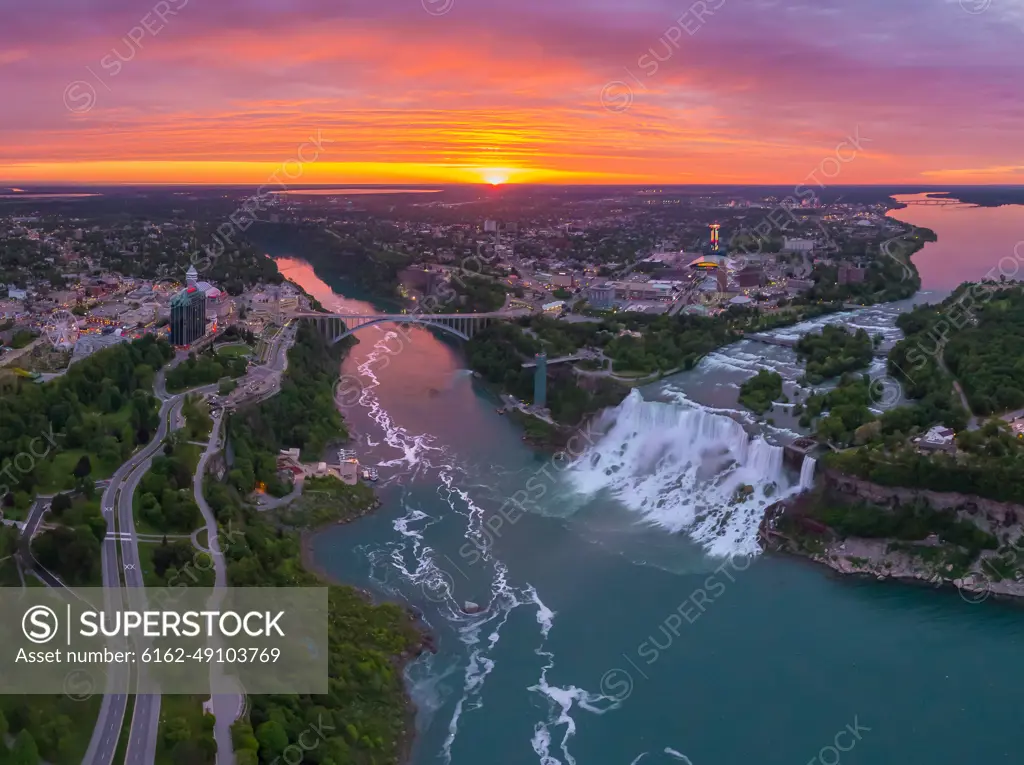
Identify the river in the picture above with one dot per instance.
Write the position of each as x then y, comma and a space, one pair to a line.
621, 621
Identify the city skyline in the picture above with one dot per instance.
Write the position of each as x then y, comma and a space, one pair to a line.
450, 91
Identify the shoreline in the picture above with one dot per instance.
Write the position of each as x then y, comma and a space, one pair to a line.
863, 558
307, 556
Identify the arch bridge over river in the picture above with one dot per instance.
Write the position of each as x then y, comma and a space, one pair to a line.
338, 326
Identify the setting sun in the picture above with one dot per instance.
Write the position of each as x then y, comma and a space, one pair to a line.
496, 177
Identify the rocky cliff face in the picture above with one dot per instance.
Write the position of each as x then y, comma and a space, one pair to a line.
994, 516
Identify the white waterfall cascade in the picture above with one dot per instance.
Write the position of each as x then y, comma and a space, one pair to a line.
807, 473
686, 470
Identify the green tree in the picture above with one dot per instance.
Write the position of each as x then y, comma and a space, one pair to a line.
272, 738
60, 503
176, 730
83, 467
24, 751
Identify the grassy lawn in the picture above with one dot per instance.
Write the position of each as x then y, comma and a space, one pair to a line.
189, 709
235, 350
15, 513
198, 423
191, 454
64, 460
79, 717
9, 573
64, 463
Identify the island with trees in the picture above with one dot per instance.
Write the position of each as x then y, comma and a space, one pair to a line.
759, 392
833, 352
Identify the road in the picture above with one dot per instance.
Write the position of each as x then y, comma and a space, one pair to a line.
972, 421
28, 560
117, 503
224, 706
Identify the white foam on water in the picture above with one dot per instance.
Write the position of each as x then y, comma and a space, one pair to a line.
648, 453
413, 447
545, 616
745, 415
562, 701
680, 468
678, 755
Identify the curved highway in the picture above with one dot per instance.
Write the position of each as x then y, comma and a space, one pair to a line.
117, 504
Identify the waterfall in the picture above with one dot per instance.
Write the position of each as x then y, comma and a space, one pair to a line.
685, 470
807, 473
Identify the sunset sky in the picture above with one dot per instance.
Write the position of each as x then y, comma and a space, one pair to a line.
415, 91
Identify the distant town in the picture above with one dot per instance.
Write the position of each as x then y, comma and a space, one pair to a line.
91, 282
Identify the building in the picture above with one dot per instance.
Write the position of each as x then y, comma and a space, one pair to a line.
750, 276
850, 275
218, 303
556, 307
188, 311
563, 280
422, 280
938, 438
289, 463
650, 290
709, 262
797, 245
601, 295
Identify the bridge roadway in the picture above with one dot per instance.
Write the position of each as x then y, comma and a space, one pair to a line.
462, 325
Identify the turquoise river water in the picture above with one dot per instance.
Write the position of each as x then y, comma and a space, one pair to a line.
626, 616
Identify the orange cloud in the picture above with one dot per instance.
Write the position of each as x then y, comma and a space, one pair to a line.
406, 98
